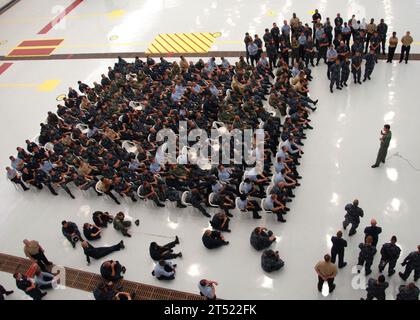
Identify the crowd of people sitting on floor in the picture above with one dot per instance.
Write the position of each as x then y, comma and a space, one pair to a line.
104, 137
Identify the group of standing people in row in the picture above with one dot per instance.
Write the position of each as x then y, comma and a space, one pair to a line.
390, 253
329, 41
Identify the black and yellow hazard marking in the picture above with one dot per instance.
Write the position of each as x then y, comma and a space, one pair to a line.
194, 42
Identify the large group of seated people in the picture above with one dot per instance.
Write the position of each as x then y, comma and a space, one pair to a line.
85, 142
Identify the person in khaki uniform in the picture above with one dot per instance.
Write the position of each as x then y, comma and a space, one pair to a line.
371, 29
294, 23
326, 271
35, 252
406, 41
393, 43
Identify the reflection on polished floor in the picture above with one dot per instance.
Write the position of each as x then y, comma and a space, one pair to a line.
335, 166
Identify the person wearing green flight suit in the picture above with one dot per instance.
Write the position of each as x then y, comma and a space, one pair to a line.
385, 138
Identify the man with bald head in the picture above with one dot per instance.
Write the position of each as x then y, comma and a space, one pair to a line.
36, 254
373, 230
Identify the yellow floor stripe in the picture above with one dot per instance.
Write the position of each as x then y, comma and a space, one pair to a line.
46, 86
202, 39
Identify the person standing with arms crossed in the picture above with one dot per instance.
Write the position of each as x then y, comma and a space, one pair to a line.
385, 139
406, 41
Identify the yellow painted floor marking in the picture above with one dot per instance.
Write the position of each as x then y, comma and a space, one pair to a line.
46, 86
194, 42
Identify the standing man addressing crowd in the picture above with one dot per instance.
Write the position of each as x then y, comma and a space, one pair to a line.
385, 139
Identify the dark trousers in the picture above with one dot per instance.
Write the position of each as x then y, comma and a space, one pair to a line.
391, 51
368, 72
253, 59
340, 254
321, 282
405, 50
408, 269
309, 57
19, 181
367, 42
357, 74
329, 63
169, 255
35, 294
172, 277
3, 292
200, 208
334, 81
370, 296
344, 77
391, 265
367, 263
272, 60
322, 54
109, 194
47, 277
104, 251
354, 225
383, 43
41, 260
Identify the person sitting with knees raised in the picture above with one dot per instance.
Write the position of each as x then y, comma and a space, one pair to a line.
270, 261
213, 239
71, 232
261, 238
220, 222
164, 252
101, 219
120, 224
112, 270
244, 204
164, 270
91, 232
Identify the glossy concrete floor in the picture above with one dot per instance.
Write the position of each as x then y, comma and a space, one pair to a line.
335, 169
130, 25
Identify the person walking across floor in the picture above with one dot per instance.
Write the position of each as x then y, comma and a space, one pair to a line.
326, 271
385, 139
406, 41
